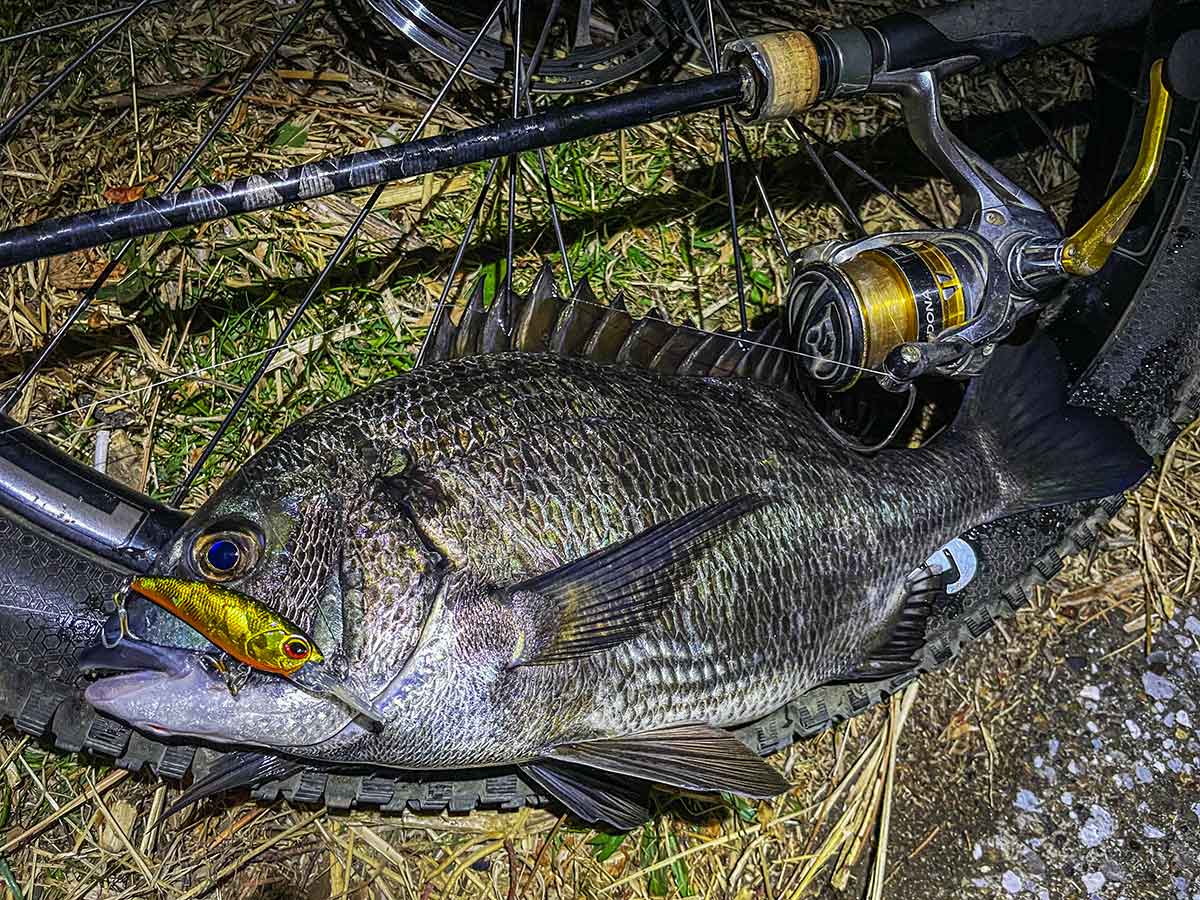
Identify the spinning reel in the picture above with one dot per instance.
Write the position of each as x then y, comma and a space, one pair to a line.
903, 304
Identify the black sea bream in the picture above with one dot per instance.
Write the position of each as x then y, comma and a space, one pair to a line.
591, 570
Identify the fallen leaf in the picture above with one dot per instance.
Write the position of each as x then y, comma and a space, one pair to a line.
125, 194
78, 271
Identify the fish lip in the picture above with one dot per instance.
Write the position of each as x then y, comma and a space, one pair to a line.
131, 656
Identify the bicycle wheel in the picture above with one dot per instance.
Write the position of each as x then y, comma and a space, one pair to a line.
1112, 359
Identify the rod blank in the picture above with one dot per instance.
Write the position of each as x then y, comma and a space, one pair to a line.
367, 168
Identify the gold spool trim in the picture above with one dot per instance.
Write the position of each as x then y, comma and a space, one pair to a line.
954, 305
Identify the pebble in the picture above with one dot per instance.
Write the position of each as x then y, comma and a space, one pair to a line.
1067, 798
1144, 775
1152, 833
1012, 882
977, 852
1053, 744
1192, 624
1182, 718
1093, 882
1027, 801
1196, 810
1133, 728
1089, 692
1099, 827
1157, 687
1093, 727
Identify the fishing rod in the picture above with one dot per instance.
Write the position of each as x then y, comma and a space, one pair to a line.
268, 190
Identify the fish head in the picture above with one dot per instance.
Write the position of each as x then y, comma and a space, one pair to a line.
313, 531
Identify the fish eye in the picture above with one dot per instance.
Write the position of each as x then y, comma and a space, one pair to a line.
296, 647
225, 554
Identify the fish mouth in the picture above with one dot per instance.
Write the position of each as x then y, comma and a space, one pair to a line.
132, 667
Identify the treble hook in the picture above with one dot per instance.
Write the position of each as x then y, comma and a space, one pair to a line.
234, 676
124, 630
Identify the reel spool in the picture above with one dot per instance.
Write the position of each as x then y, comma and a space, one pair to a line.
848, 308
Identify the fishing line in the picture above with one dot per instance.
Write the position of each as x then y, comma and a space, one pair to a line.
195, 374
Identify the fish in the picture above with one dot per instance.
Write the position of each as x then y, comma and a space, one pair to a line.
592, 572
242, 627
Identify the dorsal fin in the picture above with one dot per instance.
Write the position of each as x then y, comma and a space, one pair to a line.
537, 322
496, 335
580, 326
466, 342
677, 348
609, 336
645, 339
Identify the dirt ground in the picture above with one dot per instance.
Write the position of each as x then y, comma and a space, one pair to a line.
1088, 786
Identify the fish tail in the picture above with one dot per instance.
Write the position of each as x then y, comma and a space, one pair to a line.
1048, 452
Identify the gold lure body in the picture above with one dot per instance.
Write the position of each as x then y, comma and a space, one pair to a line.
241, 626
251, 633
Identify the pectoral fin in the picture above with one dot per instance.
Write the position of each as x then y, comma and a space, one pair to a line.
692, 757
611, 595
232, 771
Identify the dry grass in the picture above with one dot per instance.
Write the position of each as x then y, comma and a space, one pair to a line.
163, 352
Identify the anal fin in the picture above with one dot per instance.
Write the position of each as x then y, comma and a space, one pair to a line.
904, 635
593, 796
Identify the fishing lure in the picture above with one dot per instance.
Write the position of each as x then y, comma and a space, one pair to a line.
251, 633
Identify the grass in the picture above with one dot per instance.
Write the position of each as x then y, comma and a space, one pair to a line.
162, 353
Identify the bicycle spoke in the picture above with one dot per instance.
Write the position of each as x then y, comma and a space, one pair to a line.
71, 23
534, 62
739, 132
516, 9
761, 187
180, 174
281, 341
863, 174
1051, 138
33, 102
1102, 73
847, 209
714, 63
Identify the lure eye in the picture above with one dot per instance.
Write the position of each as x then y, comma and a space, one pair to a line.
296, 648
226, 554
